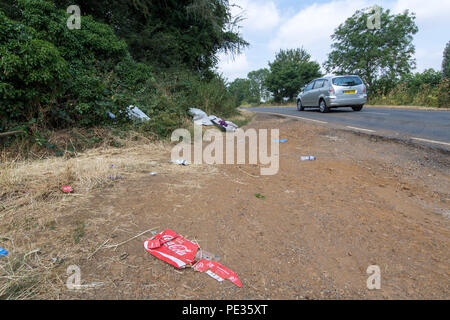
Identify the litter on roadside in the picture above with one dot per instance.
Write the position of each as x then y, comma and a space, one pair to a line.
67, 189
181, 253
153, 173
281, 141
136, 113
202, 119
227, 126
181, 162
133, 112
308, 158
3, 252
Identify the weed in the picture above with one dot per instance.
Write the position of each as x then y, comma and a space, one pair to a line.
79, 232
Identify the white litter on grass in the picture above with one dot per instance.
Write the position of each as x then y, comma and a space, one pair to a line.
181, 162
136, 113
202, 119
133, 112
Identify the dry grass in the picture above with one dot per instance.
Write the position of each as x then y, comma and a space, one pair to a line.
32, 207
37, 222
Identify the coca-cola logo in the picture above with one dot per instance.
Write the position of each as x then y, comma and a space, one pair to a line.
167, 237
179, 249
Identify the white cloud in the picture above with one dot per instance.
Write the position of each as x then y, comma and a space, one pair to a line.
231, 68
269, 28
426, 11
313, 26
258, 15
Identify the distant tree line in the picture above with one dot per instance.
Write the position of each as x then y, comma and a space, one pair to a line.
383, 57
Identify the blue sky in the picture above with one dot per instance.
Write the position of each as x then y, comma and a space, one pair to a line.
271, 25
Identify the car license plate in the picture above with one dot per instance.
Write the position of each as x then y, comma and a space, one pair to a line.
349, 91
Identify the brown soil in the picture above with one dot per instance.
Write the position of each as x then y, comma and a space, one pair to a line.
322, 223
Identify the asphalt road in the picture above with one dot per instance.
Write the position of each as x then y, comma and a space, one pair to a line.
421, 126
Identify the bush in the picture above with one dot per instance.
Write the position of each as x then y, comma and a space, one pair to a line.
52, 77
421, 89
64, 77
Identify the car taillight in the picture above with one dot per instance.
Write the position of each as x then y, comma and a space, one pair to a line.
331, 90
364, 90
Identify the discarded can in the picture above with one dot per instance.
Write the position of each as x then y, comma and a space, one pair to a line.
3, 252
308, 158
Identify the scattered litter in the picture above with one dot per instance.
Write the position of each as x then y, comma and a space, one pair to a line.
260, 196
202, 119
281, 141
225, 125
67, 189
112, 116
3, 252
181, 253
308, 158
181, 162
133, 112
136, 113
217, 271
153, 173
172, 248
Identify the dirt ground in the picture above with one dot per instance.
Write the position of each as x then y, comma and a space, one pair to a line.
363, 202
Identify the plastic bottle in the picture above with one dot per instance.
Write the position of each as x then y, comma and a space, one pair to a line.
308, 158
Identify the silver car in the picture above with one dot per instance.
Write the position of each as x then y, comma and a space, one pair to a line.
333, 92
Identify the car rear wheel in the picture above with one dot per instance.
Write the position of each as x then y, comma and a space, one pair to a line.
323, 106
357, 108
300, 106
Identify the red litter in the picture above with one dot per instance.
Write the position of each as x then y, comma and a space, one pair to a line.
67, 189
180, 252
217, 271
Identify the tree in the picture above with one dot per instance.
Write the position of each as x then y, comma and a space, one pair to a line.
291, 70
374, 54
240, 90
170, 34
258, 89
446, 62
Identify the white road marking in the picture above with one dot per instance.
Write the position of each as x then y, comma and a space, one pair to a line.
431, 141
361, 129
297, 117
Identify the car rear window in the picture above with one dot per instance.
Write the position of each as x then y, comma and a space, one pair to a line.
347, 81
